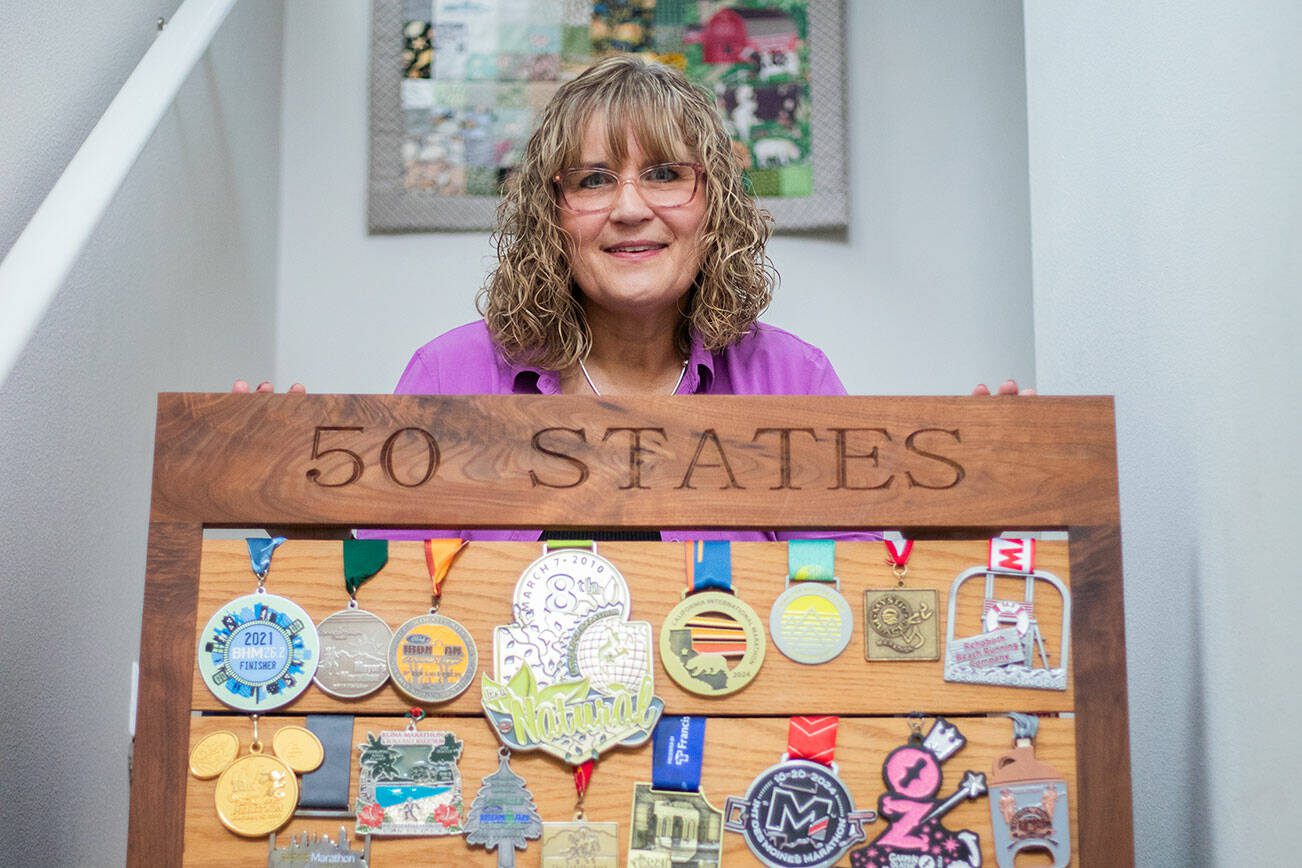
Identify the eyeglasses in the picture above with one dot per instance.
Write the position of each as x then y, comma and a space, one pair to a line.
665, 185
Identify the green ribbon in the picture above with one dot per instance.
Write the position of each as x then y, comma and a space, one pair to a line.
363, 558
811, 560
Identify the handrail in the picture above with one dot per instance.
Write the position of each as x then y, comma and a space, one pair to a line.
38, 263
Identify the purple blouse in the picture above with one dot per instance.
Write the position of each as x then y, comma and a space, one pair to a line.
768, 361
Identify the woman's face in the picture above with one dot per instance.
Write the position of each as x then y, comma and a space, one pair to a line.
633, 260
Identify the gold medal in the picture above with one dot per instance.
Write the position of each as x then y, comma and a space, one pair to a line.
712, 643
299, 747
256, 795
213, 754
580, 843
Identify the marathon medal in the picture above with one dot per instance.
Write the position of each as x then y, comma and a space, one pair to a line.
811, 622
572, 675
409, 782
311, 848
355, 642
913, 807
1011, 651
900, 623
711, 643
1028, 801
256, 793
580, 843
503, 815
259, 651
432, 658
798, 814
673, 824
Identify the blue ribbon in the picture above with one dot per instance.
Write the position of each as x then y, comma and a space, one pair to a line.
260, 550
811, 560
712, 565
679, 746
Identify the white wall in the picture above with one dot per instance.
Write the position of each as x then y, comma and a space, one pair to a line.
1166, 194
175, 292
935, 265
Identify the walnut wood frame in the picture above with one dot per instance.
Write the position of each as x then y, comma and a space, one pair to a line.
932, 467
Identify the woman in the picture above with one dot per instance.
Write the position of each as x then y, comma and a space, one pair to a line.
630, 261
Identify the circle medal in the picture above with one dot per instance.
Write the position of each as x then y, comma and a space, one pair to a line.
213, 754
298, 748
811, 622
712, 643
256, 795
432, 659
354, 653
258, 652
797, 814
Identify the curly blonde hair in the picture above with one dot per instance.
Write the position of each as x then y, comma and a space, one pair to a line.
533, 309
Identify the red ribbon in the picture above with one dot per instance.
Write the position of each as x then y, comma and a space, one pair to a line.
583, 776
898, 557
812, 738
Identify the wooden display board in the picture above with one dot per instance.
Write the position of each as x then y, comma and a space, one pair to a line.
939, 469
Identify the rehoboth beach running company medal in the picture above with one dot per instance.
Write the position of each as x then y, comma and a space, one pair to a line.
711, 643
572, 675
355, 642
798, 814
672, 822
811, 622
259, 651
900, 623
433, 658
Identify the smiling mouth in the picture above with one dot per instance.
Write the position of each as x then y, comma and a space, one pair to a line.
639, 247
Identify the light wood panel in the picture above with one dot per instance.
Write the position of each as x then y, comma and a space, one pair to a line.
737, 749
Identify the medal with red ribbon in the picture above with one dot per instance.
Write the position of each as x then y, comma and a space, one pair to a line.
597, 843
798, 813
900, 623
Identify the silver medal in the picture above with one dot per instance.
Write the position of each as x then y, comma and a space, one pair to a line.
811, 622
354, 653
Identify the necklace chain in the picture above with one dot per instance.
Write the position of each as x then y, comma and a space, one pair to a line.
593, 386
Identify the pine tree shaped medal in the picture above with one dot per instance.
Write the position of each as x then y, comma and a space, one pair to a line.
810, 621
900, 623
503, 815
1028, 801
355, 642
712, 643
913, 807
673, 823
432, 658
798, 813
259, 651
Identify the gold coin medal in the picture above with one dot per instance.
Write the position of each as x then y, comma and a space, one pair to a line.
673, 823
432, 658
572, 675
900, 623
259, 651
409, 782
256, 794
580, 842
810, 621
355, 642
711, 643
1011, 651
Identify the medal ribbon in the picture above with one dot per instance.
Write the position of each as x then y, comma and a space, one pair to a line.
439, 555
1012, 555
363, 558
811, 560
260, 551
582, 777
898, 556
812, 738
553, 544
709, 565
679, 747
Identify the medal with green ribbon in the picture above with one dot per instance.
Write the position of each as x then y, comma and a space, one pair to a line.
810, 621
355, 642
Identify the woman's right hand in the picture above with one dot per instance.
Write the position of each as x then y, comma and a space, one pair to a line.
242, 387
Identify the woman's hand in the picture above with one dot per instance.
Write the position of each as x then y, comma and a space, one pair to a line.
1007, 387
242, 387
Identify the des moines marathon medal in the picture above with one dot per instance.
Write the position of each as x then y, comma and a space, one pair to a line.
798, 814
673, 824
355, 642
503, 816
900, 623
258, 652
432, 658
409, 782
1011, 651
1028, 801
913, 806
572, 676
811, 621
711, 643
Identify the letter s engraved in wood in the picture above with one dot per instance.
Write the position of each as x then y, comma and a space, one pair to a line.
580, 467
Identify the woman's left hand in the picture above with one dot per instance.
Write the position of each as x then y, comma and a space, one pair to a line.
1007, 387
